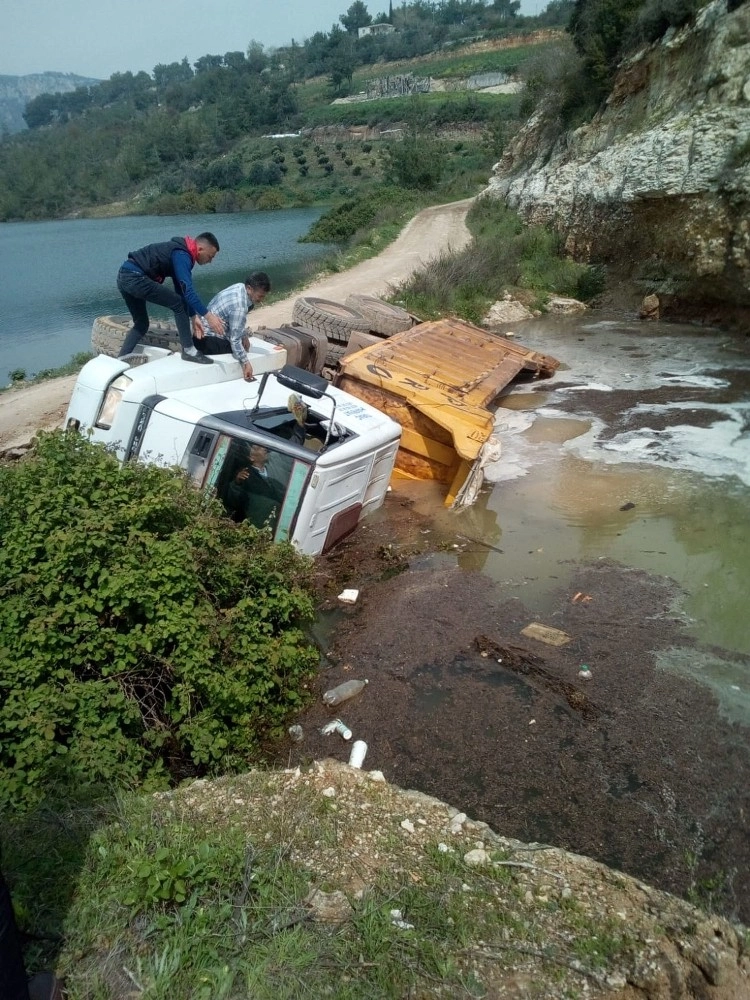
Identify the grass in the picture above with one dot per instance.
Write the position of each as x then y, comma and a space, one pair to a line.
458, 66
19, 376
206, 893
504, 256
441, 108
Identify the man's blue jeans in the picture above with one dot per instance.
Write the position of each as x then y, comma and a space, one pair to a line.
137, 290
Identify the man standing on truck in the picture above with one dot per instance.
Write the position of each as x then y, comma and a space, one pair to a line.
141, 280
232, 305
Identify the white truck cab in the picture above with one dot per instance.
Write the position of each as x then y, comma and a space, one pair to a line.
321, 473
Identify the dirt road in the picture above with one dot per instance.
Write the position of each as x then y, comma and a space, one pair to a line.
434, 231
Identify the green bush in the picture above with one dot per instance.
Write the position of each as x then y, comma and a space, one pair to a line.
142, 631
503, 255
414, 162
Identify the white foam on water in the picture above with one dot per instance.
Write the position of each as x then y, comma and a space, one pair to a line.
719, 450
590, 386
695, 381
515, 454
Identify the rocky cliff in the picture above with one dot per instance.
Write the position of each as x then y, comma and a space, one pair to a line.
657, 185
17, 91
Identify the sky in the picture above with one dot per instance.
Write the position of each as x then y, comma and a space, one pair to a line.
96, 38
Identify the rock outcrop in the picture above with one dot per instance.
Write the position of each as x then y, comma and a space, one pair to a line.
657, 185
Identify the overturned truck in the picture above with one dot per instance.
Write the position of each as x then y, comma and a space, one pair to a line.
437, 381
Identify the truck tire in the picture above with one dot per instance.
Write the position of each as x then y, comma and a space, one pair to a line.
335, 321
334, 354
382, 317
108, 334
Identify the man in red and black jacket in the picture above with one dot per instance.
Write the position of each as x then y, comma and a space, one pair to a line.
141, 280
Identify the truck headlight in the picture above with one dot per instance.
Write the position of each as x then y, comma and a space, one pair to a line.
112, 400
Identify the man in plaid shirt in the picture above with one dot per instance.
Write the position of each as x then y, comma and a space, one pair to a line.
232, 305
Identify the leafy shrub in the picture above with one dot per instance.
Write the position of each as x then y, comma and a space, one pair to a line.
342, 222
265, 174
591, 283
656, 16
366, 147
503, 254
141, 629
415, 162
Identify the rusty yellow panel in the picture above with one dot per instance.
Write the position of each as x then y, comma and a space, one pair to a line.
438, 380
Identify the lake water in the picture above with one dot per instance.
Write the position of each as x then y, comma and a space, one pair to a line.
57, 277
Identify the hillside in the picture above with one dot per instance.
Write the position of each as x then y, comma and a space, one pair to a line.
17, 91
243, 131
656, 185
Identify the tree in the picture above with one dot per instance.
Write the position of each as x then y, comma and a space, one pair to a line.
356, 17
235, 60
206, 63
508, 9
257, 60
414, 162
166, 74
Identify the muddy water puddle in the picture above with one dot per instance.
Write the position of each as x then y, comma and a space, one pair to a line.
637, 451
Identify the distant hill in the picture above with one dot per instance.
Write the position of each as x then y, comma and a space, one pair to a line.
17, 91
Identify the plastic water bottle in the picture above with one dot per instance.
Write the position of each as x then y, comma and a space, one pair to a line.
343, 692
358, 753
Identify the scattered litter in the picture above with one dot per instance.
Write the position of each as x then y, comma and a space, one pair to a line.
627, 506
343, 692
297, 734
349, 596
397, 919
580, 596
337, 726
545, 633
358, 754
532, 722
584, 673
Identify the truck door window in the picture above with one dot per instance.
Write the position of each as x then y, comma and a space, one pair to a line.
257, 484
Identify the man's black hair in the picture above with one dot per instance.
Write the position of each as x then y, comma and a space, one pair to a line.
259, 280
209, 238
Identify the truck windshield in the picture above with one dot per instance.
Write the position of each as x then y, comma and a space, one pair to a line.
257, 484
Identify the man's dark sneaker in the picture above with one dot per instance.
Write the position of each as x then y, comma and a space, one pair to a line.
198, 359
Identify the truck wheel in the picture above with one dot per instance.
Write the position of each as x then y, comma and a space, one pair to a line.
335, 321
382, 317
108, 334
334, 355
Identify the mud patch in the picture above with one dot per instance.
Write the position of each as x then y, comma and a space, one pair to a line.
634, 767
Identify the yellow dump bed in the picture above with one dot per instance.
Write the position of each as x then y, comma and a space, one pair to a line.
438, 381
